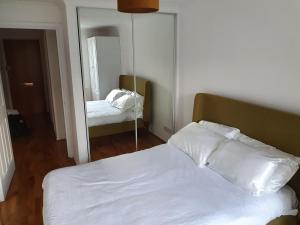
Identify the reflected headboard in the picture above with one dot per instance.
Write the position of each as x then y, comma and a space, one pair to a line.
273, 127
143, 87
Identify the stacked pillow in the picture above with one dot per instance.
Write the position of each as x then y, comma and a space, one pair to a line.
248, 163
226, 131
114, 95
125, 100
124, 103
197, 142
257, 170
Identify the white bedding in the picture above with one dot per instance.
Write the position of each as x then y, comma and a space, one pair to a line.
102, 112
159, 186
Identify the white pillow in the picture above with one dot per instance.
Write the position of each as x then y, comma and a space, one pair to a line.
229, 132
257, 170
128, 92
139, 104
114, 95
253, 142
124, 103
197, 142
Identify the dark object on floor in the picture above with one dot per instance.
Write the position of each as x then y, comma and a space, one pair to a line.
17, 126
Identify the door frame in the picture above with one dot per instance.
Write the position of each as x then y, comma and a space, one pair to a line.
58, 28
9, 166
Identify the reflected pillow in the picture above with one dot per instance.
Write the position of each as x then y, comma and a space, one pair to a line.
139, 97
127, 91
124, 103
114, 95
256, 170
229, 132
139, 103
197, 142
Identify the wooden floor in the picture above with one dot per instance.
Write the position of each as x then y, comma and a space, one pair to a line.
109, 146
39, 153
35, 155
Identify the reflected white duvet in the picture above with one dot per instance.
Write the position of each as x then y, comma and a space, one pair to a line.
158, 186
102, 112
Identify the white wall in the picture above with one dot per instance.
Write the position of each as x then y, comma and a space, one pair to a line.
248, 50
16, 12
55, 84
79, 130
155, 44
109, 64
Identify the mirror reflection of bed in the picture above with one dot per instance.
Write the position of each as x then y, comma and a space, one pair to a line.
111, 121
112, 103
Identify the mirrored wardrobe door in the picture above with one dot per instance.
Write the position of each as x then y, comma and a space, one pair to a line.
108, 83
154, 48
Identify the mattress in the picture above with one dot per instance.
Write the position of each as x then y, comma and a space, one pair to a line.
102, 112
158, 186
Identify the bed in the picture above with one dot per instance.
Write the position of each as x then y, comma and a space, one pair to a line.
101, 112
163, 186
110, 120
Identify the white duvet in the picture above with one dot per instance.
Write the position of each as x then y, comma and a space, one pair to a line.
159, 186
102, 112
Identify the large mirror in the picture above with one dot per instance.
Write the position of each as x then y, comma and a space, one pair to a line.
128, 72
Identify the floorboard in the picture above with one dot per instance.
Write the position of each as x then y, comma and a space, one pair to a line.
35, 155
113, 145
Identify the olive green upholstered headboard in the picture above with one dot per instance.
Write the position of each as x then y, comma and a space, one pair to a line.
274, 127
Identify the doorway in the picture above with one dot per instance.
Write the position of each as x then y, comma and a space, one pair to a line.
25, 75
30, 75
